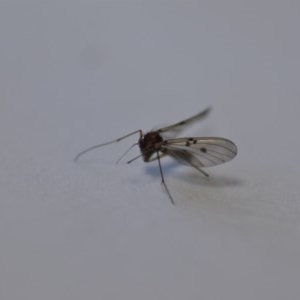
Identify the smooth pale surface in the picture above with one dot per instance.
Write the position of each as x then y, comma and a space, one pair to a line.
78, 73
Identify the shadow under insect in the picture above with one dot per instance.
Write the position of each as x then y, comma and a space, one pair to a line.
191, 176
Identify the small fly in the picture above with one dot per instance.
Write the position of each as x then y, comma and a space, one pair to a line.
197, 152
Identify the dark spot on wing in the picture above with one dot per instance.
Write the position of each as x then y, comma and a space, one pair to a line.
194, 141
204, 150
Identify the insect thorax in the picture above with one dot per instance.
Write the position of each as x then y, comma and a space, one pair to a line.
149, 144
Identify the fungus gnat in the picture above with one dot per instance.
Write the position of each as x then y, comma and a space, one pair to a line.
197, 152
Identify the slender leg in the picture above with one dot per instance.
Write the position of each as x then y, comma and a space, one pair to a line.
133, 159
155, 158
163, 180
126, 152
201, 171
150, 160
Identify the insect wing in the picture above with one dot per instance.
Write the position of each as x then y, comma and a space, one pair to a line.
207, 151
176, 128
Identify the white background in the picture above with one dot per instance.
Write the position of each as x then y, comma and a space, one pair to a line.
78, 73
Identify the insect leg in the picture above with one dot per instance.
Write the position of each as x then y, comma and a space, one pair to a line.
163, 180
126, 152
201, 171
133, 159
155, 158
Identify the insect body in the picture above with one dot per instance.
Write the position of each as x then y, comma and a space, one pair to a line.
197, 152
149, 144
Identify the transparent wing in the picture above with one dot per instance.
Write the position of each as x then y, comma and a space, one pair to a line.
176, 128
200, 152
